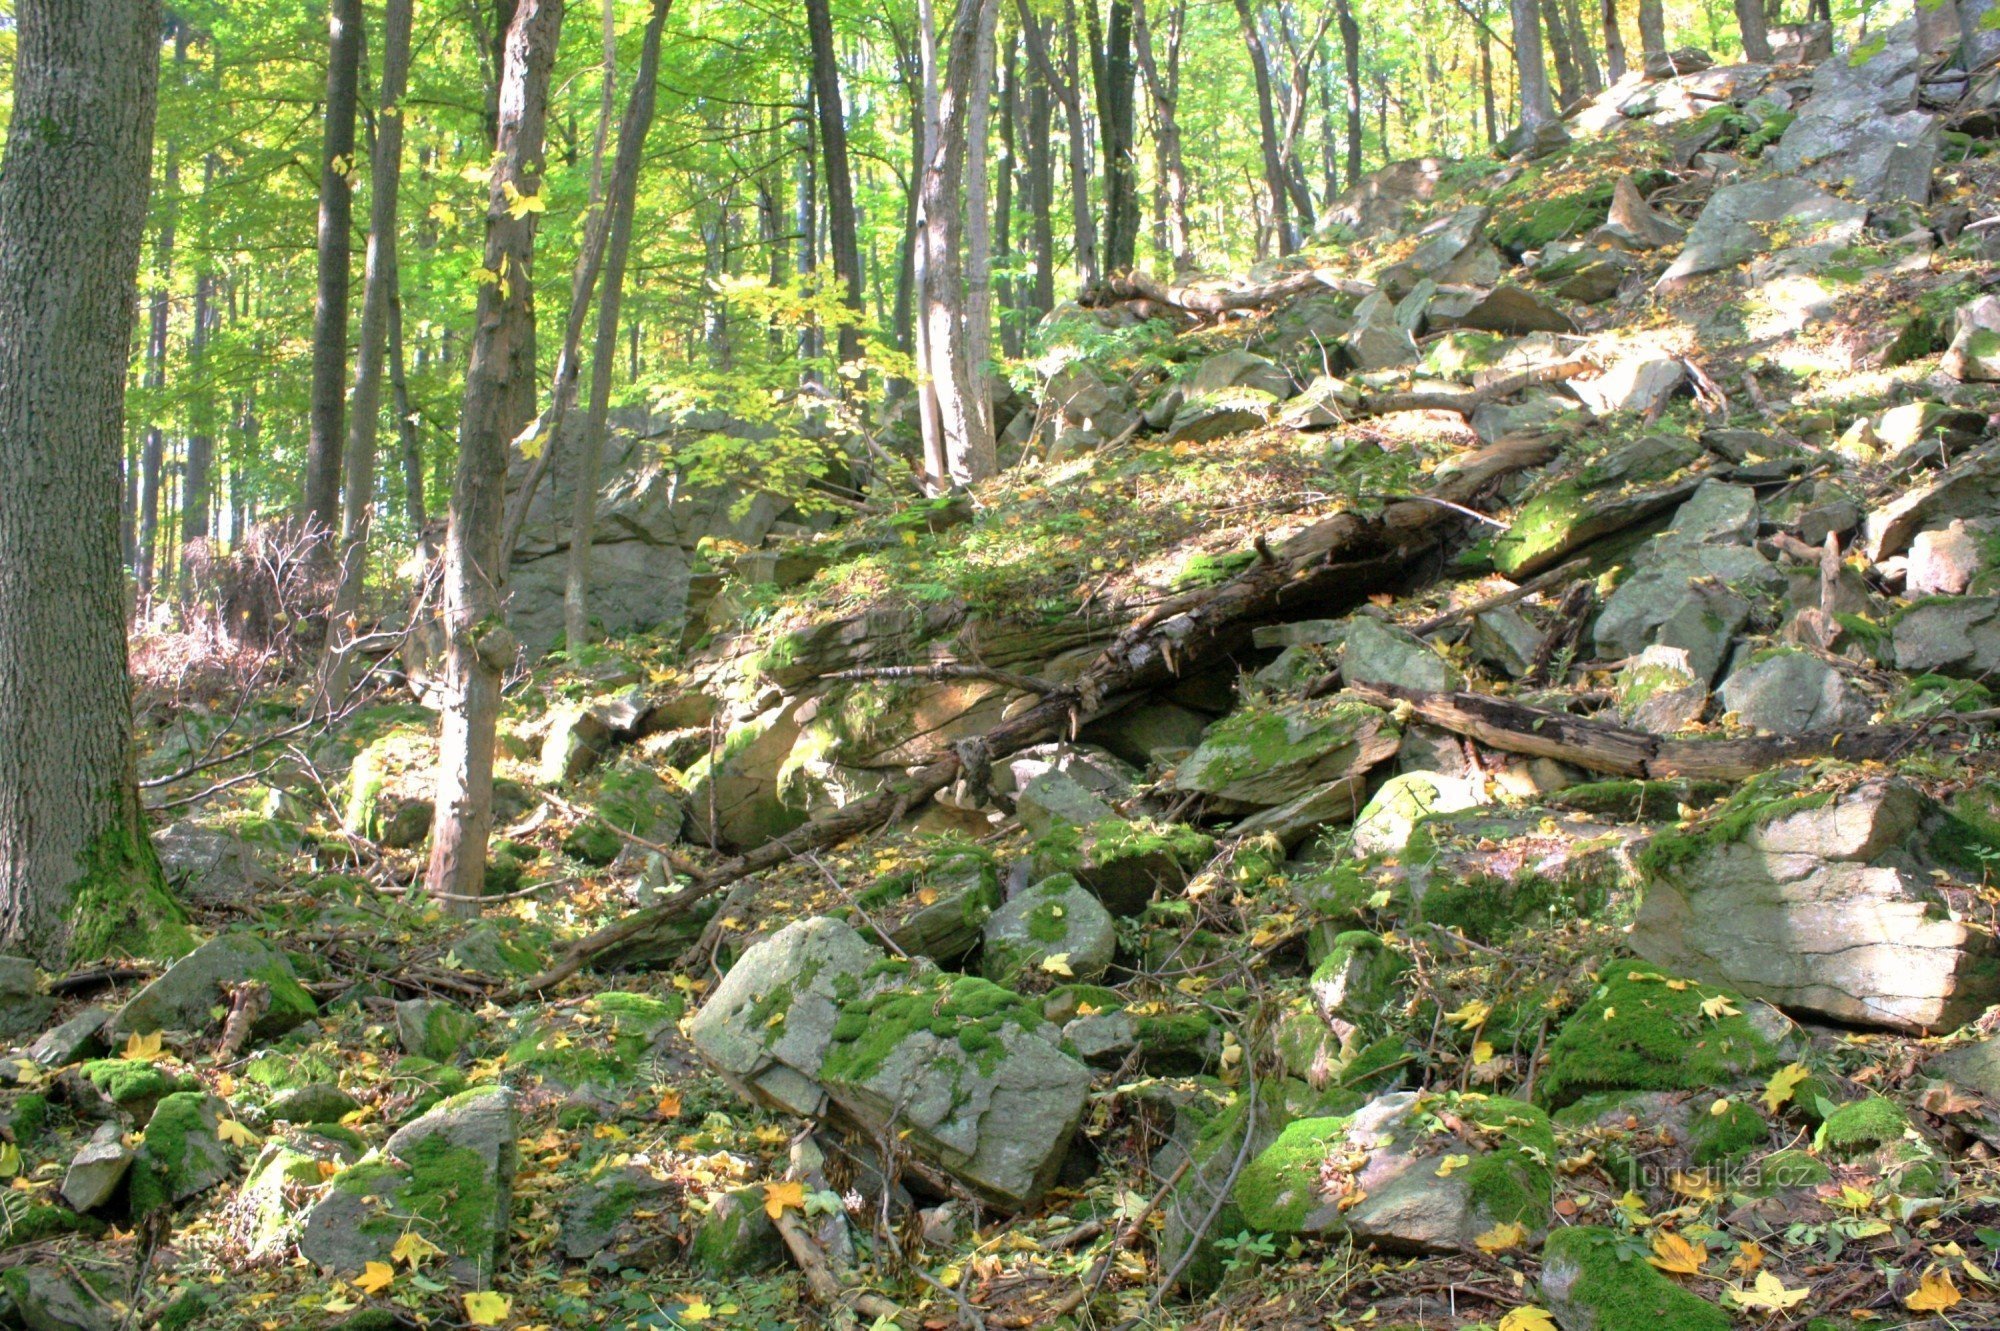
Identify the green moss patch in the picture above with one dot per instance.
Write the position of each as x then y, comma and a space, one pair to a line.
1607, 1279
1647, 1031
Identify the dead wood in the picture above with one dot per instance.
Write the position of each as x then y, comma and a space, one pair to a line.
1466, 401
1202, 304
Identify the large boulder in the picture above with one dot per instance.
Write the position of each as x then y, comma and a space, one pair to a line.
1054, 929
1754, 217
1259, 757
1959, 636
1646, 1030
1692, 598
1595, 497
733, 796
449, 1175
1372, 652
1792, 693
1969, 488
185, 994
1237, 368
1861, 127
1974, 353
181, 1154
1814, 906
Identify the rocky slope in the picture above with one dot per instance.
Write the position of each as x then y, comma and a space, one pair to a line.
1451, 786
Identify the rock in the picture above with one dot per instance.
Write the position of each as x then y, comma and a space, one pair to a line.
1792, 693
62, 1297
108, 1087
1258, 757
289, 1165
1634, 224
1927, 422
623, 1218
486, 950
1639, 1032
182, 998
739, 783
1685, 599
23, 1005
1149, 732
433, 1028
1716, 514
1377, 341
1124, 863
1449, 250
1338, 801
96, 1170
1634, 384
1372, 652
1944, 562
1974, 353
968, 1076
449, 1175
736, 1238
579, 735
1403, 801
315, 1102
81, 1037
182, 1154
1324, 403
1860, 129
940, 910
1970, 488
1504, 309
212, 864
1801, 43
1237, 368
1586, 276
1405, 1196
1057, 799
1204, 417
1055, 920
1504, 639
1677, 63
1533, 409
1836, 517
1659, 692
1813, 909
1625, 485
1744, 220
1356, 980
1592, 1283
1958, 637
1383, 200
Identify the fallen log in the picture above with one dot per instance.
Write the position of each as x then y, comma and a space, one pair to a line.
1599, 746
1466, 401
1335, 562
1204, 304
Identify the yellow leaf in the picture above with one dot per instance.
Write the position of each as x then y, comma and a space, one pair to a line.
670, 1105
1452, 1162
1718, 1007
1502, 1237
519, 205
412, 1249
1673, 1253
1693, 1186
1748, 1258
1719, 1108
144, 1048
375, 1277
1854, 1199
236, 1134
1611, 1014
1057, 963
1482, 1052
485, 1308
1778, 1091
10, 1160
337, 1303
1933, 1294
1769, 1294
696, 1312
1529, 1318
1472, 1016
781, 1197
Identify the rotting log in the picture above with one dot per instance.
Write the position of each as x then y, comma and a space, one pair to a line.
1206, 304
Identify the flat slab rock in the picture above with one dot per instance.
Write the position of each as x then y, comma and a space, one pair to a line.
1817, 911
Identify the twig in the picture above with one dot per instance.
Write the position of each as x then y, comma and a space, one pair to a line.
942, 670
1539, 583
516, 895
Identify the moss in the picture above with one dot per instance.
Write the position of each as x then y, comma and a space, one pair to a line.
1169, 1033
868, 1031
1760, 800
193, 1308
1066, 1002
27, 1117
1487, 909
282, 1070
129, 1081
1637, 800
1721, 1138
157, 1174
1862, 1125
641, 1011
1612, 1279
425, 1081
1537, 223
1281, 1187
119, 905
1789, 1168
1513, 1182
1206, 570
1640, 1033
25, 1221
289, 999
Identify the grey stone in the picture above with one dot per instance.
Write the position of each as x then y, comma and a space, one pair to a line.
1944, 561
1835, 517
450, 1173
1056, 798
62, 1297
1377, 341
316, 1102
1801, 43
1204, 417
1506, 309
210, 863
1959, 637
1685, 599
81, 1037
182, 998
622, 1218
1677, 63
1372, 652
1659, 692
1336, 802
267, 1208
182, 1153
1974, 353
1325, 402
1970, 488
736, 1238
1504, 639
23, 1005
1258, 757
97, 1169
1634, 224
733, 798
1792, 693
1532, 410
1393, 812
1056, 918
1237, 368
1150, 732
1745, 220
1810, 910
1860, 127
433, 1028
1717, 513
1634, 384
1302, 632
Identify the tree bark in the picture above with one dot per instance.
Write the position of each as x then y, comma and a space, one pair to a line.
1267, 129
1350, 54
1614, 42
1065, 92
604, 345
1582, 54
842, 231
478, 644
327, 406
198, 497
159, 306
979, 220
1163, 85
1117, 127
1652, 31
1568, 83
1040, 186
1003, 194
77, 872
385, 177
1756, 37
1533, 72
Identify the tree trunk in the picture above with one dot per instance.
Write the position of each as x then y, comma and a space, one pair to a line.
1267, 129
967, 437
1039, 180
1083, 228
411, 448
1051, 82
78, 876
1350, 54
1003, 194
1652, 30
604, 345
843, 233
385, 176
1486, 83
1569, 85
1582, 54
326, 408
1117, 125
930, 423
158, 310
1164, 88
478, 644
979, 219
198, 500
1614, 42
1533, 72
1756, 37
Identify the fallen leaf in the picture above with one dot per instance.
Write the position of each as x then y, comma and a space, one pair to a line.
1452, 1162
485, 1308
1933, 1294
1057, 963
236, 1134
143, 1048
670, 1105
1472, 1016
781, 1197
1502, 1237
696, 1312
1675, 1254
1748, 1258
1778, 1091
375, 1277
1718, 1007
1769, 1293
413, 1249
1528, 1318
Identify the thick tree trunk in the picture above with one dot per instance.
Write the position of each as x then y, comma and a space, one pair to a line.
478, 644
77, 873
979, 220
1652, 30
966, 435
327, 407
1532, 69
1164, 87
604, 345
844, 247
1267, 130
1614, 42
385, 177
1582, 54
1118, 126
1756, 37
1568, 83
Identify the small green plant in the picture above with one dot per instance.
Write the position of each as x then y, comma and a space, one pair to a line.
1247, 1251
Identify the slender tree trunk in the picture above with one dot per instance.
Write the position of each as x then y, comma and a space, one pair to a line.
1569, 84
1486, 83
197, 504
1652, 30
478, 644
1614, 42
78, 876
1582, 54
1082, 226
930, 422
623, 203
1350, 55
385, 177
1052, 82
1164, 88
844, 246
1756, 37
1532, 70
327, 406
969, 452
159, 307
1039, 183
1117, 125
410, 447
979, 220
1003, 194
1267, 127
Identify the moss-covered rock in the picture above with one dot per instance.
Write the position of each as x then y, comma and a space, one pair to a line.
1258, 757
1595, 1278
182, 1153
939, 908
433, 1028
1123, 863
125, 1085
183, 996
1643, 1030
736, 1238
1054, 930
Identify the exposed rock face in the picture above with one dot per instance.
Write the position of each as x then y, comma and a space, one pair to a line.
1372, 652
1635, 384
1385, 824
1815, 909
1056, 921
96, 1171
1861, 127
1754, 217
181, 998
1378, 341
1690, 598
1259, 758
623, 1218
1958, 637
1792, 693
